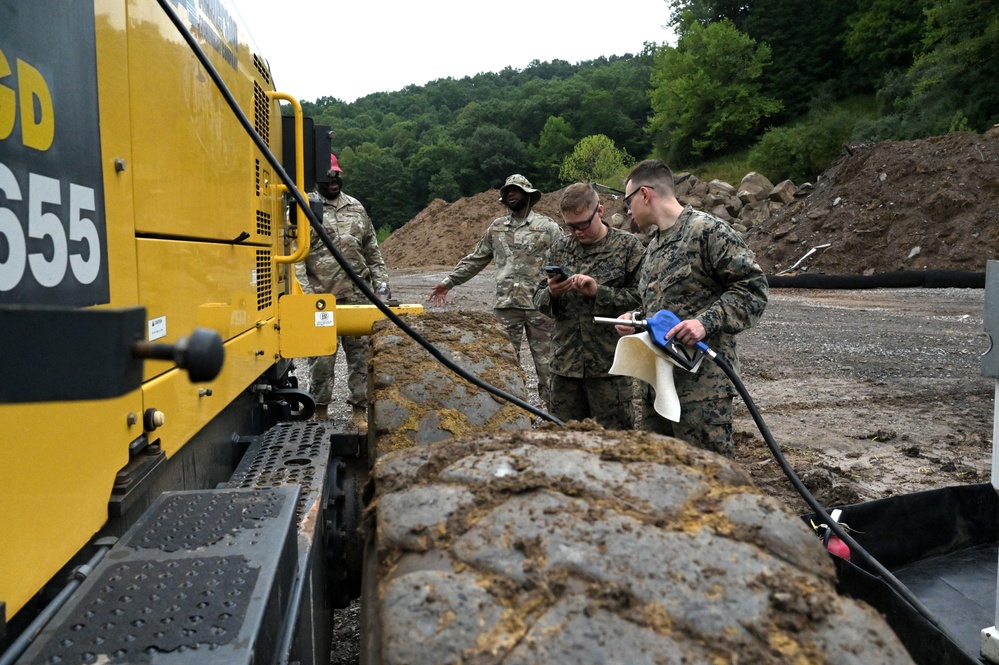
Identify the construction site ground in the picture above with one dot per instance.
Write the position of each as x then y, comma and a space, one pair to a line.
868, 393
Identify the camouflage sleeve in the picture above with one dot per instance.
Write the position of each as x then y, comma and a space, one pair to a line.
373, 255
746, 291
624, 298
472, 264
303, 277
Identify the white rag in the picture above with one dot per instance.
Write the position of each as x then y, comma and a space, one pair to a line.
636, 356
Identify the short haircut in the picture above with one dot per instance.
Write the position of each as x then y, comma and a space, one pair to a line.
652, 172
578, 197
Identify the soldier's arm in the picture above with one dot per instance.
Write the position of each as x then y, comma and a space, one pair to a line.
746, 291
373, 254
624, 297
472, 264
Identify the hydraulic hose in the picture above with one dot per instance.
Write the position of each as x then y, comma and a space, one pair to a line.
856, 550
321, 231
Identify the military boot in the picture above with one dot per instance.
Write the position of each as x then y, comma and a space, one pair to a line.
359, 417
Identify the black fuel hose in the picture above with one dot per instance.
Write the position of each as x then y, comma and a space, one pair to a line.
321, 232
856, 550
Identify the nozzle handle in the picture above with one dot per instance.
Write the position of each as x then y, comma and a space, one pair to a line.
640, 324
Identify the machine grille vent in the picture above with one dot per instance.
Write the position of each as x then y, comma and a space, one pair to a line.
263, 223
256, 175
261, 113
264, 296
261, 66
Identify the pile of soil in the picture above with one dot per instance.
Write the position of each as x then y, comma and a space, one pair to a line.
895, 205
445, 232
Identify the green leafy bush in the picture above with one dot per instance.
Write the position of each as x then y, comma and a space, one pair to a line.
801, 151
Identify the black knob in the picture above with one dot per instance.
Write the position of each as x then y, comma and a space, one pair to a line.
201, 354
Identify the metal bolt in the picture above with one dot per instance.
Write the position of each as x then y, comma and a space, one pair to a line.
119, 164
132, 418
205, 392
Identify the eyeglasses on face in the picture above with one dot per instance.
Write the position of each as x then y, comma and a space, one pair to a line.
582, 226
627, 205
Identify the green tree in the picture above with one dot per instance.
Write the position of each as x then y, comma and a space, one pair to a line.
554, 144
806, 37
379, 180
885, 35
950, 85
494, 153
444, 186
594, 159
706, 93
429, 160
477, 128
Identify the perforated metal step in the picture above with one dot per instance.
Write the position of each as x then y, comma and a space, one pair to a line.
200, 578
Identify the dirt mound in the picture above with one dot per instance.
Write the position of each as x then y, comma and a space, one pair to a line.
896, 205
444, 232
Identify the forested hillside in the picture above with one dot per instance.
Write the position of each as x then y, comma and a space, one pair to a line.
768, 80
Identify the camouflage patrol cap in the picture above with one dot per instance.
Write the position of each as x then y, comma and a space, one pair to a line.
519, 181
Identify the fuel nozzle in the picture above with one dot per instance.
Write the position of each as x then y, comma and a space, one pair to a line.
658, 325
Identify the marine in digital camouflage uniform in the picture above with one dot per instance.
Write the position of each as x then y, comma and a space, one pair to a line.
353, 234
518, 243
701, 269
603, 264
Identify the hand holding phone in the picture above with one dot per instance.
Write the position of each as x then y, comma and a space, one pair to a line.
557, 273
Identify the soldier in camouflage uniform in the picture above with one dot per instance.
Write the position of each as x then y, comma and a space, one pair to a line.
347, 223
518, 242
698, 267
603, 266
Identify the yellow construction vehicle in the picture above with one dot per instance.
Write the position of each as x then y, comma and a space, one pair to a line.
149, 315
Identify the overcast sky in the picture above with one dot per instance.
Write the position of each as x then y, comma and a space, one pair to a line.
346, 50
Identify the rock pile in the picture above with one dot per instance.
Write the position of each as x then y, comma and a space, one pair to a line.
745, 206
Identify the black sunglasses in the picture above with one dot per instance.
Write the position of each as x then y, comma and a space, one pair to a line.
582, 226
627, 206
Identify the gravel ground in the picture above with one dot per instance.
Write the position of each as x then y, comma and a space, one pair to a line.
867, 393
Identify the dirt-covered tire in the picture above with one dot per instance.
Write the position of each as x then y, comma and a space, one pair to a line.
416, 400
576, 546
491, 542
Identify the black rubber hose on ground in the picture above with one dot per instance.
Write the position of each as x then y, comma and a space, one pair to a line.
899, 279
856, 550
318, 227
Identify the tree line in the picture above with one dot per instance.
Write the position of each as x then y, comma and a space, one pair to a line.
764, 78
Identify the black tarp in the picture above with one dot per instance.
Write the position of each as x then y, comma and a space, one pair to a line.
943, 546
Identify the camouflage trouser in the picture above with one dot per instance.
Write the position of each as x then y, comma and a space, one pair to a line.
606, 399
321, 370
539, 338
706, 424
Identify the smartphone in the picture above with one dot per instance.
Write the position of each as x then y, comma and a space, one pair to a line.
557, 273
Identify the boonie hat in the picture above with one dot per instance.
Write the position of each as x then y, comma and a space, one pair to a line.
519, 181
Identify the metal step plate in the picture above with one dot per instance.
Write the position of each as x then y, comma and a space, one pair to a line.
201, 578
